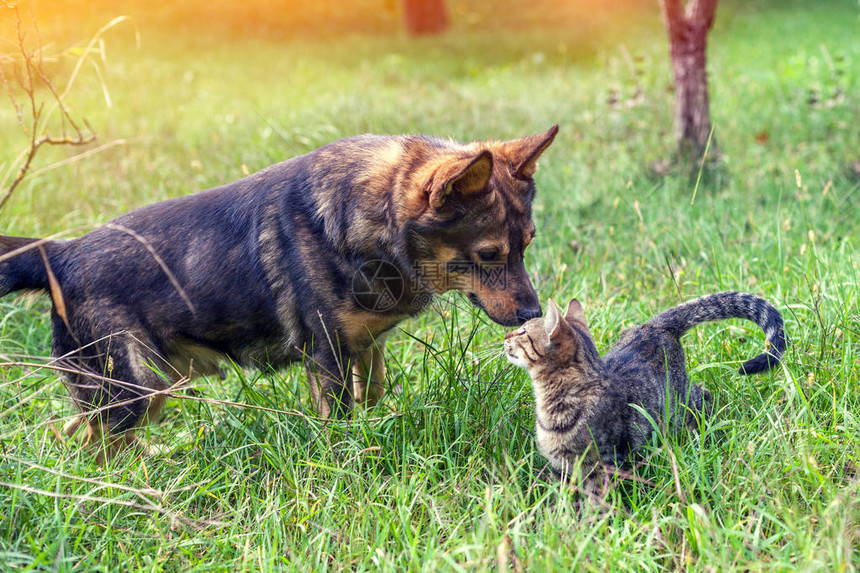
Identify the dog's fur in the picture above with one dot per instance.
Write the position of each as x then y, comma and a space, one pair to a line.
288, 264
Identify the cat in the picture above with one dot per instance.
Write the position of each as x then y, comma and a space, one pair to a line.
585, 404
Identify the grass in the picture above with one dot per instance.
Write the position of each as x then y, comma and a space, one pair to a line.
445, 474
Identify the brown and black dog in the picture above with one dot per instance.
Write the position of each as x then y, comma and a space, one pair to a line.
312, 259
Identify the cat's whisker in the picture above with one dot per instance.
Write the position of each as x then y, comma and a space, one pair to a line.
491, 357
489, 352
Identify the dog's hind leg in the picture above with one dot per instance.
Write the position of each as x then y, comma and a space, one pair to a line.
118, 388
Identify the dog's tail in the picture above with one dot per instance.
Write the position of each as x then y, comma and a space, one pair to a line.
23, 264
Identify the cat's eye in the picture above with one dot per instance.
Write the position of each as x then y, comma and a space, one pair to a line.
488, 255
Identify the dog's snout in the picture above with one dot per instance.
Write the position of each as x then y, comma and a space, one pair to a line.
528, 313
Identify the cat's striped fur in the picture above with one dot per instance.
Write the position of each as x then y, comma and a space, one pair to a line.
584, 403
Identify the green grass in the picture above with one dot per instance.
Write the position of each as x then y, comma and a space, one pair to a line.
445, 474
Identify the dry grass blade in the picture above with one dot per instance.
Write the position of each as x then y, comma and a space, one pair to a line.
80, 156
40, 242
145, 393
676, 476
144, 506
88, 50
170, 276
56, 291
141, 492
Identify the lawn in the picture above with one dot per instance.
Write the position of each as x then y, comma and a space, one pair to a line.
445, 475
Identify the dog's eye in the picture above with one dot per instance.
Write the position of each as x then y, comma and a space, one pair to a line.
488, 255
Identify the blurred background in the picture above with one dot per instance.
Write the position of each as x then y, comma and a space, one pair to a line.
333, 19
197, 93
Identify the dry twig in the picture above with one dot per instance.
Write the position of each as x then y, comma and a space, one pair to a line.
24, 77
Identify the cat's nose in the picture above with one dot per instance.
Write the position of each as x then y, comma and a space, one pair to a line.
528, 313
510, 334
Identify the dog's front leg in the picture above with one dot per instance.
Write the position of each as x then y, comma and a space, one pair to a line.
369, 375
328, 375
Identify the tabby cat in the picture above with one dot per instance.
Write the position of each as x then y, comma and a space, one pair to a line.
585, 404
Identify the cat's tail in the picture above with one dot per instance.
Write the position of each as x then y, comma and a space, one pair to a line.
22, 264
723, 305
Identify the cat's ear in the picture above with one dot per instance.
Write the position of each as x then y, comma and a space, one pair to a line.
552, 323
575, 312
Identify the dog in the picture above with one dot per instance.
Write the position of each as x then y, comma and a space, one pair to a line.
314, 259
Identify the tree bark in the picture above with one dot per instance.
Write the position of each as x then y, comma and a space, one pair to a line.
425, 17
688, 35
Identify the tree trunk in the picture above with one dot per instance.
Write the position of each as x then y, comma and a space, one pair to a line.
425, 16
688, 36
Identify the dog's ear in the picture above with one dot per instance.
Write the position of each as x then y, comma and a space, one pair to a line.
461, 178
524, 153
